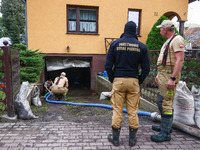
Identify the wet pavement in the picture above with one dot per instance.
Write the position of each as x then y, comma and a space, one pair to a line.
62, 135
58, 129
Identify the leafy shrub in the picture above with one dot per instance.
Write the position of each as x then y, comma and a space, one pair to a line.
19, 46
193, 73
31, 63
155, 39
2, 94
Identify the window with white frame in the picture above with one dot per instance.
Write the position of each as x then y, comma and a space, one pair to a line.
134, 15
82, 19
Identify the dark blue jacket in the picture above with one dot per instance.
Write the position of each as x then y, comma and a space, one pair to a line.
126, 54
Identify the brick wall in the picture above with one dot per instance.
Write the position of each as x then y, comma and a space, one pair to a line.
98, 65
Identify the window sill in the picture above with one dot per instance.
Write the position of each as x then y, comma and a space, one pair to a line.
81, 33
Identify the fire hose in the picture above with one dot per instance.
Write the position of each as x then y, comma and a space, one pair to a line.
155, 116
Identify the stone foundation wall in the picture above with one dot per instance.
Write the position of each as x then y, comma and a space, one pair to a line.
102, 85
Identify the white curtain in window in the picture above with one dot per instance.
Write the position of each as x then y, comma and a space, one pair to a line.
72, 19
133, 15
88, 15
88, 26
88, 20
72, 25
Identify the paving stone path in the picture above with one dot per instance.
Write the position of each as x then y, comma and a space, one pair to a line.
83, 136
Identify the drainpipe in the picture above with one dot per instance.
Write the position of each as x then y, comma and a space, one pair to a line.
181, 27
24, 1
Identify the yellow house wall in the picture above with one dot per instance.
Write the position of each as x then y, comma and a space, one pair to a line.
47, 22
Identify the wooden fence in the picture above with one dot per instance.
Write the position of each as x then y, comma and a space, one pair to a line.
9, 77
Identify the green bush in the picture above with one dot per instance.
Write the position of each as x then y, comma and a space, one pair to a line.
31, 63
155, 40
31, 58
192, 74
30, 77
19, 46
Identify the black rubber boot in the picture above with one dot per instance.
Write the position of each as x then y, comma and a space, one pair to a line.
59, 96
132, 136
157, 128
114, 137
166, 125
159, 104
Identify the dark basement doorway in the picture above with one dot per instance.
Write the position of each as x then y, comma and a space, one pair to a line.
78, 74
78, 78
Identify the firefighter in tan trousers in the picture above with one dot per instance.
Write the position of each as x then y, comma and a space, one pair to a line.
169, 64
122, 66
60, 86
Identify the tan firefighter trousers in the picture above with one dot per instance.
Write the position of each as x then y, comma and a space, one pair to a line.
125, 89
164, 74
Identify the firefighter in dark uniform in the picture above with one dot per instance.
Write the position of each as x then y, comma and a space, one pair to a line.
122, 65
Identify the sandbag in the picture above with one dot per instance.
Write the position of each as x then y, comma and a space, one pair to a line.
22, 106
196, 95
105, 95
35, 99
183, 105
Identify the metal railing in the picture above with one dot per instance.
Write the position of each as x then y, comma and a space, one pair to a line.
192, 53
9, 77
108, 42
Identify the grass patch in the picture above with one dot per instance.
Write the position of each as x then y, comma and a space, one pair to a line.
150, 93
72, 99
84, 110
85, 100
43, 108
2, 112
